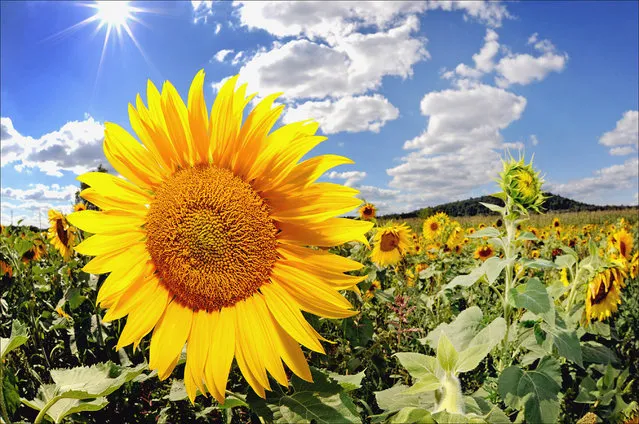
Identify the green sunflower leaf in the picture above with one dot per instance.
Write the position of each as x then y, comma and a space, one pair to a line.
19, 336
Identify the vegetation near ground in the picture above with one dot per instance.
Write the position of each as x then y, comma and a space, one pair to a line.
517, 316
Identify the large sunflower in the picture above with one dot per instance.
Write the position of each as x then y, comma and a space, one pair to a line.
206, 238
391, 243
61, 234
603, 292
622, 242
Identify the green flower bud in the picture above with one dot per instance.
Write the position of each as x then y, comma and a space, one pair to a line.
522, 184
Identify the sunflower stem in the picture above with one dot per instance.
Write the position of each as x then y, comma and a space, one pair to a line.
46, 407
3, 407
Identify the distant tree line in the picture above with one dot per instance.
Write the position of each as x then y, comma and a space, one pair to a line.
472, 207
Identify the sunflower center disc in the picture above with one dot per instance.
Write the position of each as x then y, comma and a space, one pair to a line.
211, 237
62, 234
389, 242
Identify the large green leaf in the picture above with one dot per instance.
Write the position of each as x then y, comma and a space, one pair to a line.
417, 365
394, 399
75, 387
567, 343
532, 296
19, 336
412, 415
534, 391
63, 406
460, 332
598, 353
426, 384
486, 232
348, 382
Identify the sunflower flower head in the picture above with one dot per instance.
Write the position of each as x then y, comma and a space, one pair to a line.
5, 269
206, 238
603, 293
622, 242
81, 206
367, 212
61, 234
522, 184
484, 252
391, 243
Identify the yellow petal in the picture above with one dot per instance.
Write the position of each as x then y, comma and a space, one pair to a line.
106, 222
143, 318
100, 244
138, 292
319, 258
115, 187
197, 347
199, 118
108, 203
176, 117
221, 352
121, 279
289, 349
169, 336
129, 157
247, 350
290, 317
329, 233
122, 258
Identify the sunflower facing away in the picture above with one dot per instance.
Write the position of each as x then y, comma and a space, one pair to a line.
206, 237
622, 242
603, 292
367, 212
79, 207
391, 243
61, 234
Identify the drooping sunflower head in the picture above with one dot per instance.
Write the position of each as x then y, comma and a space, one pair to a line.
81, 206
622, 243
522, 184
35, 252
484, 252
207, 236
391, 243
603, 293
367, 211
61, 234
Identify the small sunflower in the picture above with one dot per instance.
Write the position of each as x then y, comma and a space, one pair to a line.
207, 237
622, 242
391, 243
79, 207
634, 266
62, 313
535, 254
603, 292
484, 252
61, 234
563, 276
432, 227
5, 269
367, 212
35, 253
556, 223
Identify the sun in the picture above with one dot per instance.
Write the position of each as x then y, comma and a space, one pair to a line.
113, 13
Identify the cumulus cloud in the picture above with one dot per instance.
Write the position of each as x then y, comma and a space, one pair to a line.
304, 69
202, 10
491, 13
624, 138
524, 69
605, 186
31, 204
348, 114
40, 192
222, 54
76, 147
350, 178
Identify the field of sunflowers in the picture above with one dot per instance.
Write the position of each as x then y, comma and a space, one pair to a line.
215, 282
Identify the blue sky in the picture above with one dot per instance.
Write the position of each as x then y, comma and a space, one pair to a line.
424, 96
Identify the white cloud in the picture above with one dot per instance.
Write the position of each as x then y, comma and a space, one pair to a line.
222, 54
348, 114
534, 140
350, 177
624, 138
239, 56
544, 46
605, 186
218, 28
41, 192
484, 60
524, 69
491, 13
459, 150
202, 10
305, 69
76, 147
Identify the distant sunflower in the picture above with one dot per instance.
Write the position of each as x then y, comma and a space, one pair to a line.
622, 242
206, 238
603, 293
79, 207
564, 277
61, 234
634, 265
35, 252
432, 227
534, 254
367, 212
391, 243
5, 269
556, 223
484, 252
